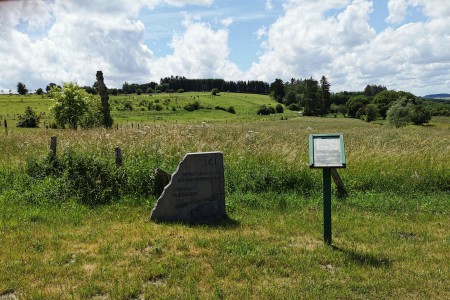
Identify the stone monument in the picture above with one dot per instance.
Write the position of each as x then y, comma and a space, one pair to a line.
196, 191
103, 92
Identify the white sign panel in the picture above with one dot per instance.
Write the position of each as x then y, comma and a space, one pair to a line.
327, 152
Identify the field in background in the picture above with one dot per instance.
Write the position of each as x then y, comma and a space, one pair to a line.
172, 107
391, 235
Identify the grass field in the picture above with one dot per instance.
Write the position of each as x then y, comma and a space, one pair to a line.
172, 106
391, 234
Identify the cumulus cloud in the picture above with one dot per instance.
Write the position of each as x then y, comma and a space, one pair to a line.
305, 42
311, 38
80, 37
200, 52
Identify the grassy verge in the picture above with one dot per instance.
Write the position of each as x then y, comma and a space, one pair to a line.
272, 251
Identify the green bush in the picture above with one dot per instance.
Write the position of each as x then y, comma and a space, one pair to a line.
231, 110
265, 110
90, 180
192, 106
128, 106
294, 107
279, 108
30, 119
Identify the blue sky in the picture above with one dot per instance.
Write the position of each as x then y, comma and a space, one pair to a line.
397, 43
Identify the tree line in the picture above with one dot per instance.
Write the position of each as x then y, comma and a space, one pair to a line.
314, 98
182, 84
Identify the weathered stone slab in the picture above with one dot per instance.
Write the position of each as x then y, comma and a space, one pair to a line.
196, 191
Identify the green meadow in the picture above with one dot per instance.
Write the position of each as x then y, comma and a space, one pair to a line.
391, 234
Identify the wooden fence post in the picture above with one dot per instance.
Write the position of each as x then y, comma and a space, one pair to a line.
118, 155
6, 127
53, 142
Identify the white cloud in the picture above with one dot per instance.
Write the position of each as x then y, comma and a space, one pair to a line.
261, 32
227, 22
200, 52
77, 38
269, 5
81, 37
305, 42
397, 11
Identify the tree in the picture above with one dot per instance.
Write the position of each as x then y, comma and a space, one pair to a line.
50, 85
342, 109
398, 114
373, 90
419, 114
371, 112
290, 98
21, 88
355, 103
30, 119
277, 91
384, 100
325, 95
39, 91
214, 91
74, 106
312, 102
138, 91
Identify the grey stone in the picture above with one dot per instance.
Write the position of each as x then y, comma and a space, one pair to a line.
103, 92
196, 191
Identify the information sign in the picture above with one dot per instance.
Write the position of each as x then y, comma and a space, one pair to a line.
326, 151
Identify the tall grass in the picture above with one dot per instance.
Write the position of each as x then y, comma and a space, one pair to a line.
269, 156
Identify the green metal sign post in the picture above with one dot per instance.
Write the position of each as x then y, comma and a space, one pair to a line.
326, 151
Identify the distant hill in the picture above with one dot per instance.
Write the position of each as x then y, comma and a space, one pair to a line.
437, 96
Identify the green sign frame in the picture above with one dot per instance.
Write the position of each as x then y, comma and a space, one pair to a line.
327, 151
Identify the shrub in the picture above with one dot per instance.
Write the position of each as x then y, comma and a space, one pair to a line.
398, 114
30, 119
192, 106
279, 108
220, 108
71, 105
371, 112
360, 113
294, 107
158, 107
214, 91
265, 110
180, 91
128, 106
138, 91
231, 110
419, 115
90, 180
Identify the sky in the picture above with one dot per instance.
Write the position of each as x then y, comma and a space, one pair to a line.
400, 44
